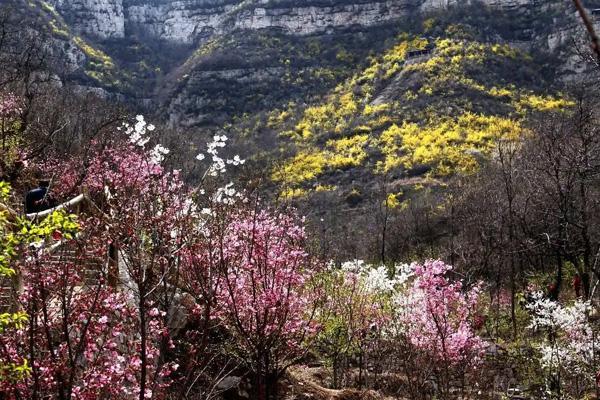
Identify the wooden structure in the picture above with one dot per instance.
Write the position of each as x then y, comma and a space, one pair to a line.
418, 53
64, 251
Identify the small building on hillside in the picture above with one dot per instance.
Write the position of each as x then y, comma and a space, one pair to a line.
413, 53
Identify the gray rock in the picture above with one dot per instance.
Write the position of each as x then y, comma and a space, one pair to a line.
228, 383
100, 18
187, 21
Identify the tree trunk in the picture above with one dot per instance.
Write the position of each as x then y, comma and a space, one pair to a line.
143, 347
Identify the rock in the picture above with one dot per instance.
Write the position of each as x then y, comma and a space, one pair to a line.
228, 383
186, 22
100, 18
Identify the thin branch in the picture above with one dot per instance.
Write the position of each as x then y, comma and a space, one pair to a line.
590, 28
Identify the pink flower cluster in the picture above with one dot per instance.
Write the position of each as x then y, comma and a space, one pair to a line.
123, 167
85, 340
81, 342
10, 106
264, 295
245, 270
439, 315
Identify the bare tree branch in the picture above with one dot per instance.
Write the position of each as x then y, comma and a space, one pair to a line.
590, 28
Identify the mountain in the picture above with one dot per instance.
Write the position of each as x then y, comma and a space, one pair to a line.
195, 20
203, 61
365, 123
336, 93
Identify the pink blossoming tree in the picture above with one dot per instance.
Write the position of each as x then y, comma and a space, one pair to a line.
266, 301
104, 335
436, 318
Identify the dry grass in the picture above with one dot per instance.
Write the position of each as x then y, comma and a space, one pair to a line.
304, 384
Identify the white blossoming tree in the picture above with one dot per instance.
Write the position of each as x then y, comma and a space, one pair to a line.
568, 344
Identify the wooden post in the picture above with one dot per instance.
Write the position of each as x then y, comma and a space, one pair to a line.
113, 265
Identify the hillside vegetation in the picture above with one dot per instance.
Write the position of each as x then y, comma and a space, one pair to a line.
432, 113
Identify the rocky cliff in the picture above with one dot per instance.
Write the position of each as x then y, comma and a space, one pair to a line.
191, 20
101, 18
201, 62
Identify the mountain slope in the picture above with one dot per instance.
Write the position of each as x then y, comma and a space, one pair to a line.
344, 91
427, 108
201, 61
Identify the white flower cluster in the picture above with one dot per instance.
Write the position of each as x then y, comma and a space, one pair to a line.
401, 299
138, 133
189, 207
404, 272
208, 212
542, 310
547, 313
377, 278
551, 357
573, 342
218, 165
354, 266
236, 161
158, 153
227, 195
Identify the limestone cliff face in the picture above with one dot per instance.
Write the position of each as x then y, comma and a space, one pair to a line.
187, 21
308, 20
429, 5
296, 48
100, 18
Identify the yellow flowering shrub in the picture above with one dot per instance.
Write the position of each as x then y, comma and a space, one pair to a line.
305, 166
448, 146
292, 193
93, 53
333, 116
542, 103
347, 152
277, 118
370, 110
392, 201
447, 138
325, 188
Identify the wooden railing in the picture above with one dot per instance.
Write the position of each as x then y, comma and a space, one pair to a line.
57, 253
71, 203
